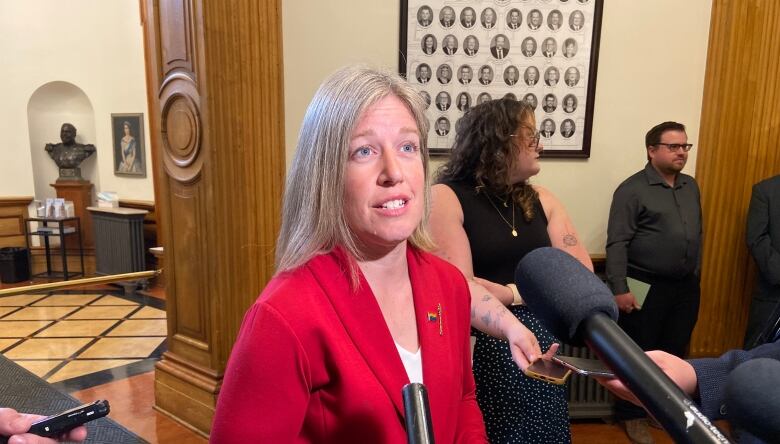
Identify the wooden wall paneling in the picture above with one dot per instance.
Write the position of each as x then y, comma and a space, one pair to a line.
215, 79
738, 147
13, 211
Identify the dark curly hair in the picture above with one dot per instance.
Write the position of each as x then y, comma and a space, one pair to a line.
484, 153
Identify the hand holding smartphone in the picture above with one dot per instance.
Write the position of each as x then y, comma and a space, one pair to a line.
56, 425
548, 371
585, 366
558, 370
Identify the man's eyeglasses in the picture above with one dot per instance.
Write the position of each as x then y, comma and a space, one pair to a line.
674, 147
533, 143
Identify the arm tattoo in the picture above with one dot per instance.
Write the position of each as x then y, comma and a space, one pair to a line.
569, 240
486, 298
473, 312
486, 319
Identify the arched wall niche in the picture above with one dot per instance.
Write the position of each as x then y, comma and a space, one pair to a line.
50, 106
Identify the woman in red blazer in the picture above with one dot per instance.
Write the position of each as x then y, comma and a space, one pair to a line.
358, 308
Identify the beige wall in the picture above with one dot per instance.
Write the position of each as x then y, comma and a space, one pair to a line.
94, 45
651, 69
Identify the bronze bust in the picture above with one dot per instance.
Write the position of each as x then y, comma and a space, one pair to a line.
69, 154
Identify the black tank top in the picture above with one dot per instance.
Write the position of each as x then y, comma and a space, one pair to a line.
494, 251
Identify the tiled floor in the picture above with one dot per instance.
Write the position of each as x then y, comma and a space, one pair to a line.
80, 339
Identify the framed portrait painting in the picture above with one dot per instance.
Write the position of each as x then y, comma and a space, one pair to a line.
127, 133
545, 52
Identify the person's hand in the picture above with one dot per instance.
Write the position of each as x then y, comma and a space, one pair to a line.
500, 292
548, 355
626, 302
523, 345
678, 370
14, 425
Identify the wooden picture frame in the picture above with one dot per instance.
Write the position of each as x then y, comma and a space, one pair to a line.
543, 51
127, 134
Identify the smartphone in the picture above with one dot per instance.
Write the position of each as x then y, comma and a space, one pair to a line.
548, 371
585, 366
56, 425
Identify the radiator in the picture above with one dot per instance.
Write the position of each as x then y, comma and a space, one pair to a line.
119, 241
587, 398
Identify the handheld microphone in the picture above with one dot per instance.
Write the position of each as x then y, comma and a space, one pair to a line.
753, 398
576, 306
419, 429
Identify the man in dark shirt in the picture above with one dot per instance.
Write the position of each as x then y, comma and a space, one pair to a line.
654, 237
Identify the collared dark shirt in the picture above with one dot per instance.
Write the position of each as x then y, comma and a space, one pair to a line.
653, 228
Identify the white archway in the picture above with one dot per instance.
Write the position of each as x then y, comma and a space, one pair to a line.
50, 106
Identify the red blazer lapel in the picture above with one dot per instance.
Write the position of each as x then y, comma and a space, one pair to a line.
436, 332
363, 321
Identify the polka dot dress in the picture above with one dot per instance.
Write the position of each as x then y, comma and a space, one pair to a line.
516, 408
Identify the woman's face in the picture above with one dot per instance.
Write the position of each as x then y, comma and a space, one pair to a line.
569, 102
429, 42
127, 129
385, 181
527, 160
463, 100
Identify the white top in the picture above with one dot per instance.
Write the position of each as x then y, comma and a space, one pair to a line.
412, 363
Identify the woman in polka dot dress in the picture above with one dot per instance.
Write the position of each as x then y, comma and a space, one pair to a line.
485, 218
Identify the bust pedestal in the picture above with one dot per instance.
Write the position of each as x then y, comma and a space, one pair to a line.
80, 193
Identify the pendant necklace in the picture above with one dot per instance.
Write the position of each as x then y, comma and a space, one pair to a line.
512, 225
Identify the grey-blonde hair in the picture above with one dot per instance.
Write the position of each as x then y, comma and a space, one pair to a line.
313, 220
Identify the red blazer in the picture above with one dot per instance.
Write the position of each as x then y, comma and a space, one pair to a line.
315, 362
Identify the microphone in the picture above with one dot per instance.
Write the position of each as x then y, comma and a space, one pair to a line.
577, 307
753, 398
419, 429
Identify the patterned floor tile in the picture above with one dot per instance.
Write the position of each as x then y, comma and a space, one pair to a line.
66, 299
141, 327
122, 348
107, 312
39, 313
77, 328
67, 322
5, 343
5, 310
20, 300
20, 329
77, 368
40, 368
53, 348
113, 300
149, 313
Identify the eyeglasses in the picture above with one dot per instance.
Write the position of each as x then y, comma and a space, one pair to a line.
674, 147
534, 142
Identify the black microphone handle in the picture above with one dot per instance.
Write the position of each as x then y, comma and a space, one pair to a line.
419, 429
679, 416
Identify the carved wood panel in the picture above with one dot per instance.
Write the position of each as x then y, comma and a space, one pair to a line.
215, 80
739, 139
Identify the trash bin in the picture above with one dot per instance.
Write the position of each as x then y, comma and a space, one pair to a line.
14, 266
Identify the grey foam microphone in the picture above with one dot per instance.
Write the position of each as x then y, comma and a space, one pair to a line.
563, 293
752, 398
575, 305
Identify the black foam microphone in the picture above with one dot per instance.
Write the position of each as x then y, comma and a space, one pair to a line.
752, 398
419, 429
575, 305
